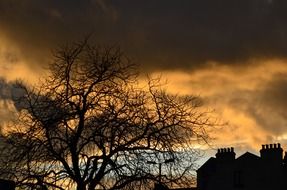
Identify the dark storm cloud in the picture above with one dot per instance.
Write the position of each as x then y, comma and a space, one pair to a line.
160, 34
10, 91
8, 95
39, 26
6, 89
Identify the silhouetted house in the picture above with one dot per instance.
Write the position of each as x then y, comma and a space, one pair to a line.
247, 172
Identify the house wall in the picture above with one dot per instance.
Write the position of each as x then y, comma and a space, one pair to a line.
248, 172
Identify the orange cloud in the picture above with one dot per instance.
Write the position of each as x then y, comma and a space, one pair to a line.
238, 96
14, 65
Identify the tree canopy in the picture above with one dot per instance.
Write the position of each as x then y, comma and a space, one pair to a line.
88, 125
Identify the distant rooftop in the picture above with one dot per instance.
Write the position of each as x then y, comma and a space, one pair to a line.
246, 172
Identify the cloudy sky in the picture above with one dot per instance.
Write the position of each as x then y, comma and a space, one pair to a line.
233, 53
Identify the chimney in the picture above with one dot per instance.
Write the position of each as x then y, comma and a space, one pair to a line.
285, 159
272, 153
225, 154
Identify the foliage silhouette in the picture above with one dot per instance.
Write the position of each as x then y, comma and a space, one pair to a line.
90, 126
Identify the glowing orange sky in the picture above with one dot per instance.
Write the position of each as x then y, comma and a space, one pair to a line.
233, 55
234, 94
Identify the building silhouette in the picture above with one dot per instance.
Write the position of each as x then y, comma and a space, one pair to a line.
247, 172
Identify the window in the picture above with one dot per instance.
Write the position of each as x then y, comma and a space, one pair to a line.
238, 179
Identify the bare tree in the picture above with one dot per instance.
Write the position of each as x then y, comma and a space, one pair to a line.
89, 126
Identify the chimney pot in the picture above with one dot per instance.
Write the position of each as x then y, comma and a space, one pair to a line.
232, 149
272, 153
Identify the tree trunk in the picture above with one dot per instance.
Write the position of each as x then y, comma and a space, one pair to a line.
81, 186
92, 185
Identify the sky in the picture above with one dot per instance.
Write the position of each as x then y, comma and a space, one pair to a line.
232, 53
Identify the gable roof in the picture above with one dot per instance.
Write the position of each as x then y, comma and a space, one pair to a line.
208, 165
247, 159
248, 156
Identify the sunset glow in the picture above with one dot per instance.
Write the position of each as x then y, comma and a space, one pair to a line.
234, 59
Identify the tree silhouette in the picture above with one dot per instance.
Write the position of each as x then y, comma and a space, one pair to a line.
88, 125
